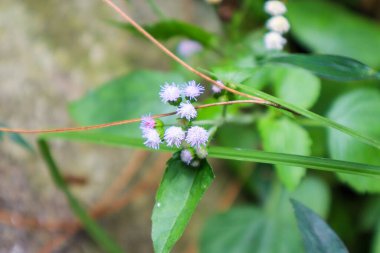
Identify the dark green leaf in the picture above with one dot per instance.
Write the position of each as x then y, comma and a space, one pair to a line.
359, 110
167, 29
130, 96
327, 27
317, 235
329, 66
271, 229
285, 136
95, 231
180, 191
237, 154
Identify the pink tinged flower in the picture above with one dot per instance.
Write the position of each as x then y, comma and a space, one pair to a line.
174, 136
186, 156
152, 138
274, 41
170, 93
274, 7
216, 89
278, 24
187, 48
197, 136
193, 90
186, 110
147, 122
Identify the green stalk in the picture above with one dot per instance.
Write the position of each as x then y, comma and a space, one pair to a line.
93, 229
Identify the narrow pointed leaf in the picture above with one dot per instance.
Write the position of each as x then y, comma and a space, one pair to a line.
317, 235
180, 191
333, 67
93, 229
308, 114
237, 154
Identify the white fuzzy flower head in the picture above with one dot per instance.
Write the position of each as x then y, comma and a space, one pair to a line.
174, 136
274, 7
147, 122
186, 110
170, 93
274, 41
193, 90
197, 136
186, 156
216, 89
152, 138
278, 24
187, 48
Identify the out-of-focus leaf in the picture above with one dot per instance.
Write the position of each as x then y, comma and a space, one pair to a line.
328, 28
376, 241
359, 110
94, 230
17, 138
296, 86
308, 114
130, 96
317, 235
232, 74
329, 66
249, 229
167, 29
284, 136
180, 191
237, 154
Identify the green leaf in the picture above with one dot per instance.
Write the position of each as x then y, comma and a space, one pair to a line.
317, 235
17, 138
272, 229
180, 191
329, 66
308, 114
359, 110
130, 96
94, 230
237, 154
284, 136
326, 27
167, 29
297, 86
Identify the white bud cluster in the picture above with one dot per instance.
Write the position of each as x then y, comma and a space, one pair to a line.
278, 25
192, 139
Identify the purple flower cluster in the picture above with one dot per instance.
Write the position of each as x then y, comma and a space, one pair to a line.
192, 139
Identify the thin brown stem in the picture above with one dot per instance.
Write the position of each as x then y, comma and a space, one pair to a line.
115, 123
177, 59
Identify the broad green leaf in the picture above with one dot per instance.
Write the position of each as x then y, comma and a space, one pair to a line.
130, 96
237, 154
167, 29
285, 136
317, 235
329, 66
308, 114
179, 193
297, 86
250, 229
328, 28
359, 110
93, 229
